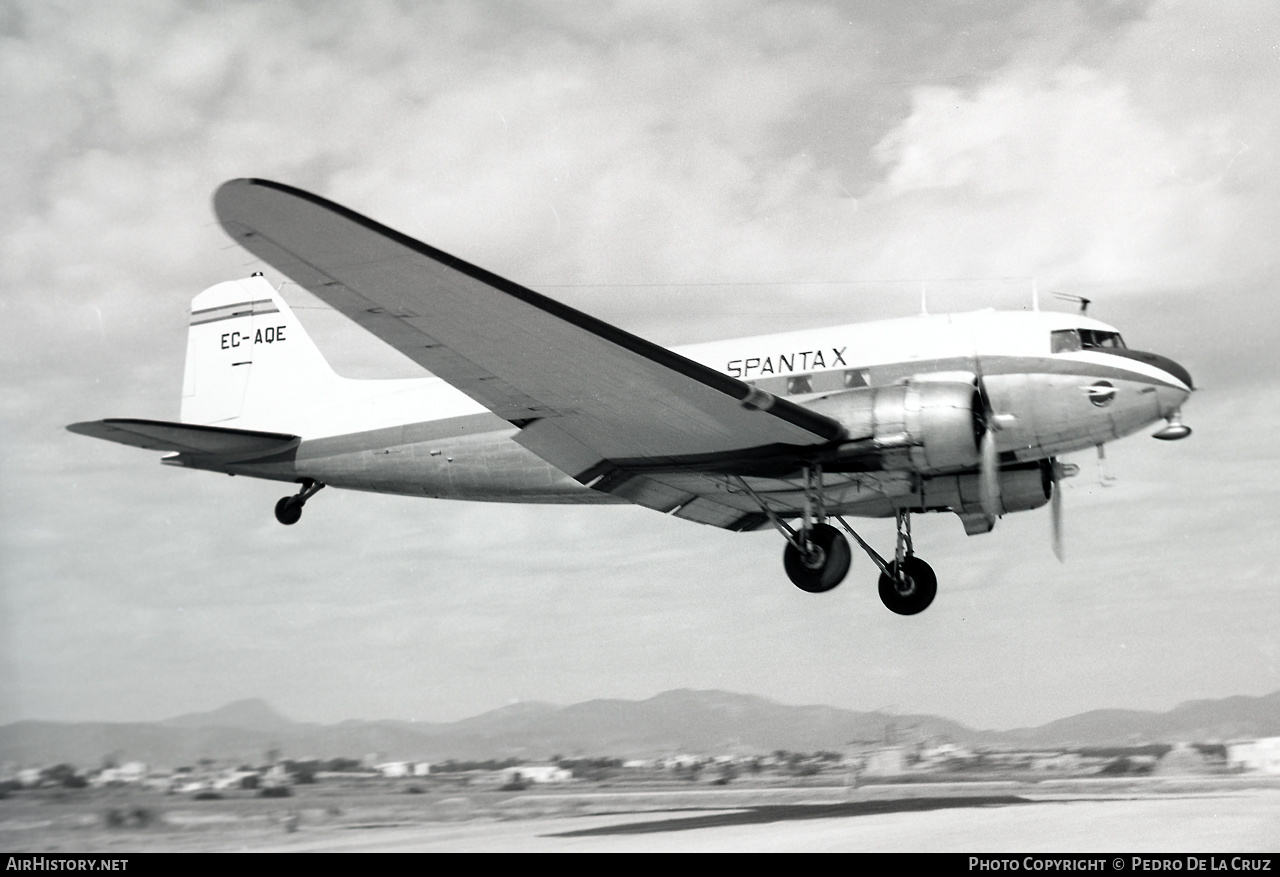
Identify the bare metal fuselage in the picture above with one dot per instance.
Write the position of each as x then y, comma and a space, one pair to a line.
1045, 404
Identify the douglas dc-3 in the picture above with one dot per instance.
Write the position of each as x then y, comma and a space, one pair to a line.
529, 400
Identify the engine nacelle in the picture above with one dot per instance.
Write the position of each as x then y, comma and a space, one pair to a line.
1020, 490
936, 424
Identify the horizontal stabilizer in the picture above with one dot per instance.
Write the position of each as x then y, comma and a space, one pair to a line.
186, 438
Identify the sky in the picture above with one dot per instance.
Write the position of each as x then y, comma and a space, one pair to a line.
687, 171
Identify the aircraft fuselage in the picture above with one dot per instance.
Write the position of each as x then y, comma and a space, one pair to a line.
1056, 382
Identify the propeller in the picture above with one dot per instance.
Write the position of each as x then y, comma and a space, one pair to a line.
989, 466
989, 474
989, 453
1058, 470
1055, 508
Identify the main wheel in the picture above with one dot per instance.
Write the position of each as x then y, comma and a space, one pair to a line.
824, 566
911, 591
288, 510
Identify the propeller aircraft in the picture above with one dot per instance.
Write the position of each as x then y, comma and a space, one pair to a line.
529, 400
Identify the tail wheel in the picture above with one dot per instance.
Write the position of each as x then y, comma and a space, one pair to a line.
289, 508
823, 566
909, 590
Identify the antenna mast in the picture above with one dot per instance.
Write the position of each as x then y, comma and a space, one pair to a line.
1084, 302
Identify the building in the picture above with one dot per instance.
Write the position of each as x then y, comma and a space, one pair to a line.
1255, 756
537, 773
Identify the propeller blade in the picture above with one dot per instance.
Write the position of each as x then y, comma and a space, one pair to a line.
1055, 511
989, 471
989, 475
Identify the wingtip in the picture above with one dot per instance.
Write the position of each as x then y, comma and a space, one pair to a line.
248, 193
227, 191
259, 183
236, 183
85, 427
232, 187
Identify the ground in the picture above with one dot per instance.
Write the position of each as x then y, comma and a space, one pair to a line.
1164, 815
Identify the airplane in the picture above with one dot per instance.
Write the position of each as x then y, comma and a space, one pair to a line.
529, 400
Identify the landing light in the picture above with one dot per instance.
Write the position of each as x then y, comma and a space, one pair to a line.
1175, 430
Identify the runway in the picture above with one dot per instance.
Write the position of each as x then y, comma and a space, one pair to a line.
1221, 822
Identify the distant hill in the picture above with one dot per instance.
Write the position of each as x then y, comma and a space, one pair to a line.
1193, 721
254, 714
682, 721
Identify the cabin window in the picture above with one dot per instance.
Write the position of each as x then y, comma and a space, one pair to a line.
856, 377
799, 384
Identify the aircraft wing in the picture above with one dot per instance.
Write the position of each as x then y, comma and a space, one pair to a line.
186, 438
589, 398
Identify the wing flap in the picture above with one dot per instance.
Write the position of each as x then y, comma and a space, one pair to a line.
186, 438
610, 395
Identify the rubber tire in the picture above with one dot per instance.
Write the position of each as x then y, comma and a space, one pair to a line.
288, 510
834, 567
924, 587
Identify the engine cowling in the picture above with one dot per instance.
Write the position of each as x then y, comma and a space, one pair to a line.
1021, 490
936, 425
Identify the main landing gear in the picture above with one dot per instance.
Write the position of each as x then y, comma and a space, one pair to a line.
289, 508
817, 555
907, 583
817, 559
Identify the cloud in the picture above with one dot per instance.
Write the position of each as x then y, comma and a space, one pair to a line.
1130, 147
1088, 174
1057, 177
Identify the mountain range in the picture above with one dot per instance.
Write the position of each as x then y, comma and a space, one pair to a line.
675, 722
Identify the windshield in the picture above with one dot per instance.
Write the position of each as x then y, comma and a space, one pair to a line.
1067, 340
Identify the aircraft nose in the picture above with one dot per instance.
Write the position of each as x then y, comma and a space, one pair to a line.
1173, 368
1173, 384
1177, 373
1172, 397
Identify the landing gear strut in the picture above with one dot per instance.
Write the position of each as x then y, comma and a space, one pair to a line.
817, 556
289, 508
907, 583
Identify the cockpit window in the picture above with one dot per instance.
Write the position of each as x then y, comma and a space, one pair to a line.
1067, 340
1097, 338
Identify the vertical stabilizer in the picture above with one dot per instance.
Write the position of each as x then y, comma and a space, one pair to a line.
248, 356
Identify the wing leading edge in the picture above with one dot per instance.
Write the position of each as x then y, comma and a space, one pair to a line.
595, 401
